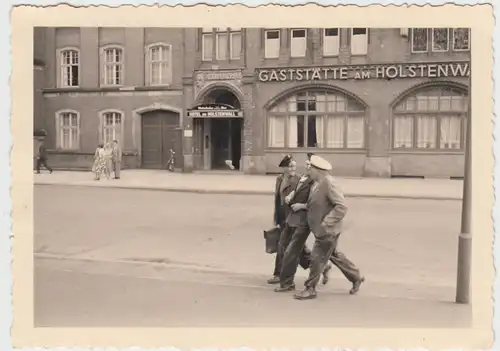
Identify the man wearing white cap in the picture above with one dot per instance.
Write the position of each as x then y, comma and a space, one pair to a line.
326, 209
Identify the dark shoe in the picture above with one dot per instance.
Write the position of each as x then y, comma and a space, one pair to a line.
37, 172
326, 273
274, 280
356, 285
50, 171
285, 288
306, 294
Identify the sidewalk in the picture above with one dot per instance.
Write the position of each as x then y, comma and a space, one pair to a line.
236, 183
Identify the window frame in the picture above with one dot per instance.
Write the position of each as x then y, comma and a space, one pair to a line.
324, 115
412, 36
103, 65
366, 42
438, 115
453, 40
102, 125
149, 62
59, 128
233, 31
265, 43
324, 41
204, 33
447, 39
305, 38
60, 74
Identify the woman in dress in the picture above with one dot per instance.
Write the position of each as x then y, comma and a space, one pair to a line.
108, 155
99, 166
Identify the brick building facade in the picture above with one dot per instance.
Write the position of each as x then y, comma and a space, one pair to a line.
375, 102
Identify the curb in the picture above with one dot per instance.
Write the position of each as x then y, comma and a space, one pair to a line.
247, 192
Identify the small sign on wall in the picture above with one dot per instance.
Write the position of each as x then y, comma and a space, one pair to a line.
188, 133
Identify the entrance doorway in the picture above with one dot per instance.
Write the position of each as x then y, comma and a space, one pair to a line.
161, 132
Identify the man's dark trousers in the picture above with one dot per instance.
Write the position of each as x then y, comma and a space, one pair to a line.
303, 254
42, 161
294, 253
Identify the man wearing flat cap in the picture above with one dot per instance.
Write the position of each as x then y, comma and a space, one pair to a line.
326, 209
285, 183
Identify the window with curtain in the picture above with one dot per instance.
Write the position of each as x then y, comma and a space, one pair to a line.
68, 130
112, 63
70, 68
431, 119
317, 119
112, 127
159, 65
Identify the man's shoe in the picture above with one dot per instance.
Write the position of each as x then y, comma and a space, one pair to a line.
356, 285
326, 273
273, 280
50, 171
306, 294
285, 288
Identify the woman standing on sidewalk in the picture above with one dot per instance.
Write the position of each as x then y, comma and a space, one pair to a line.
99, 166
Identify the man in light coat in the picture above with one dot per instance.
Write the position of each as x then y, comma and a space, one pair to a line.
326, 209
116, 159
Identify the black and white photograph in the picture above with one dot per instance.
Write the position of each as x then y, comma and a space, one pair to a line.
255, 177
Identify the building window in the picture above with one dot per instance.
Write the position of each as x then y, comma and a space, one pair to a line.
222, 44
159, 65
70, 68
432, 119
272, 44
112, 66
440, 39
207, 46
317, 119
298, 43
68, 130
331, 41
112, 126
359, 41
461, 39
419, 40
235, 43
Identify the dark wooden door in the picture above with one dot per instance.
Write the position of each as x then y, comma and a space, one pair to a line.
220, 142
161, 132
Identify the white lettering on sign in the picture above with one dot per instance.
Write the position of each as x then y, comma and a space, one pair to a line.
221, 75
429, 70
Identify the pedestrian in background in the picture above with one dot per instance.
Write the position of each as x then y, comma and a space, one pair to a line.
99, 166
108, 155
326, 209
285, 183
116, 159
41, 159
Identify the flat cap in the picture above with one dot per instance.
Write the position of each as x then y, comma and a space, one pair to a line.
285, 162
320, 163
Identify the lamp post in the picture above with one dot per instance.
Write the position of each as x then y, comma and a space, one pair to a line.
465, 237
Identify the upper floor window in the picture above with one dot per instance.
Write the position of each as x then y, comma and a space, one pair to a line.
112, 66
331, 41
69, 60
359, 41
159, 65
431, 119
461, 39
298, 44
272, 43
68, 130
112, 126
424, 40
227, 44
317, 119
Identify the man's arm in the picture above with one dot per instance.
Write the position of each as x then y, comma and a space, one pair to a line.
336, 197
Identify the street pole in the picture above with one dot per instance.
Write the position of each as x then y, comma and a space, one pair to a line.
465, 237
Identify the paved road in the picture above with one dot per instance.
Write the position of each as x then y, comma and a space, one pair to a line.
392, 241
69, 293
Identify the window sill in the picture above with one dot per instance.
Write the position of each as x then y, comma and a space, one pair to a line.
426, 152
331, 55
359, 55
105, 89
304, 150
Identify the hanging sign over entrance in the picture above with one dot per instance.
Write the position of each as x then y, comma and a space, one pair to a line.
214, 111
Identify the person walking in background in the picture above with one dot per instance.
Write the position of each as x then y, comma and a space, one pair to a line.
41, 159
285, 183
108, 154
99, 166
116, 159
326, 209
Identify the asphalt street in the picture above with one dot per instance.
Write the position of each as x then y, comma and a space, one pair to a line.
152, 258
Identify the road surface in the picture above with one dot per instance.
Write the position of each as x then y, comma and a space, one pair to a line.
116, 257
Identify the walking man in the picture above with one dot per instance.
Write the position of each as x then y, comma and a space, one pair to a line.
326, 209
116, 158
41, 159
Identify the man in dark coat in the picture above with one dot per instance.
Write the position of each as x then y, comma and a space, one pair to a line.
41, 159
326, 209
296, 233
285, 183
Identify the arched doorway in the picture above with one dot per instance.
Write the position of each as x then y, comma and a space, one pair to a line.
161, 132
219, 139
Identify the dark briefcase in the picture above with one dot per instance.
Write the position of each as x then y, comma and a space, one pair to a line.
272, 238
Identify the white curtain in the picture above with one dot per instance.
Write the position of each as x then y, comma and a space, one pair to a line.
403, 132
292, 131
222, 42
450, 132
426, 132
335, 132
319, 131
276, 133
355, 132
